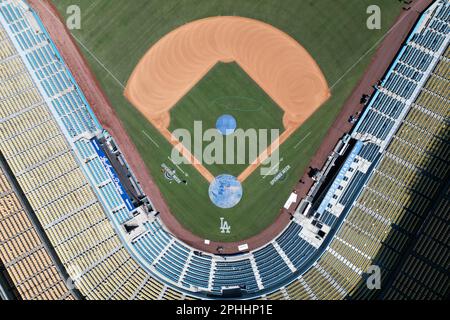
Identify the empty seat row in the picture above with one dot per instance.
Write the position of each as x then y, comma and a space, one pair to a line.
23, 256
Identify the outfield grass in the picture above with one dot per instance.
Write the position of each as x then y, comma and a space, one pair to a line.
227, 89
119, 32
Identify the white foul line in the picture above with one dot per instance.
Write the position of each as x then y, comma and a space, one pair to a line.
89, 51
304, 138
367, 52
177, 166
150, 138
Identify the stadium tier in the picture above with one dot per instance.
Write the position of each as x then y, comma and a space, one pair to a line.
362, 210
26, 267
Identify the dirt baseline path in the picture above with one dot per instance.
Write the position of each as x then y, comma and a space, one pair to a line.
108, 118
273, 59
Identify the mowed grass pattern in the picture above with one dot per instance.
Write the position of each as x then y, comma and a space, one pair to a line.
119, 32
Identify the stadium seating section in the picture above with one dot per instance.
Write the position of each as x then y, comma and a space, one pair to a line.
24, 260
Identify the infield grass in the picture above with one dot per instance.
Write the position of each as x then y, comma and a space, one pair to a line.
119, 32
227, 89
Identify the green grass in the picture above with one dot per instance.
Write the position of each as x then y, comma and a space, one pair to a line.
119, 32
226, 89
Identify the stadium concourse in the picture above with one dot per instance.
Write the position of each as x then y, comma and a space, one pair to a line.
69, 195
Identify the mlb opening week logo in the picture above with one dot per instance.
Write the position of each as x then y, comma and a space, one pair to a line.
229, 146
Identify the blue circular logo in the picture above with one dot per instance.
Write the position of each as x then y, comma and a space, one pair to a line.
225, 191
226, 124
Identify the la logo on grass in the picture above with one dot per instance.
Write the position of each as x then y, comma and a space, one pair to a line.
224, 226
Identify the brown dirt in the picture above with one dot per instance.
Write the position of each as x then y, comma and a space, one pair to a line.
108, 118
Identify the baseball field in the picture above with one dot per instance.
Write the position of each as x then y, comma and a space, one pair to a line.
115, 35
